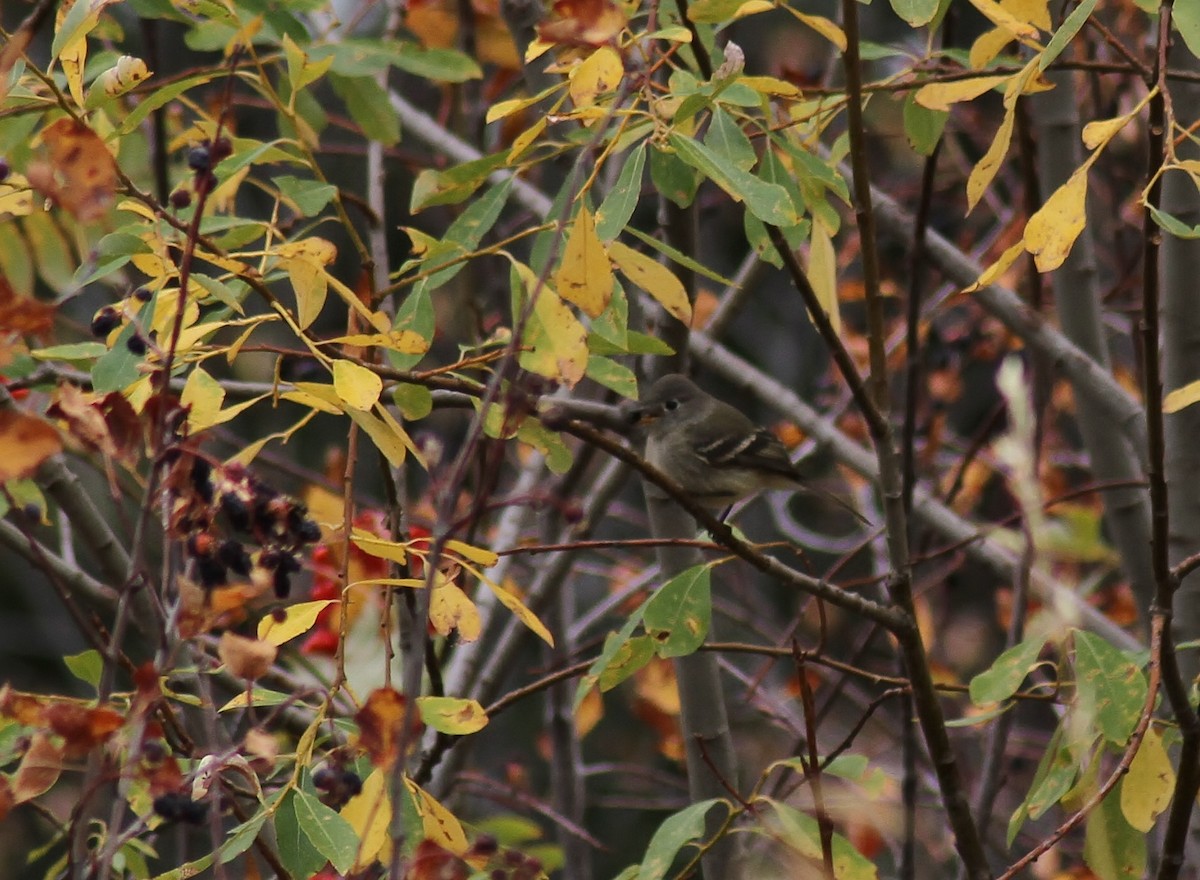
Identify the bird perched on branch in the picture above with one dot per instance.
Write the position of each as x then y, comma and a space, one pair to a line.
711, 449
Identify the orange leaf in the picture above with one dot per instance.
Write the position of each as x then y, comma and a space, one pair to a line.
81, 175
39, 770
81, 727
23, 315
583, 22
25, 442
380, 721
246, 658
107, 424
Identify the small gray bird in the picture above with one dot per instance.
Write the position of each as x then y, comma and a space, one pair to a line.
710, 448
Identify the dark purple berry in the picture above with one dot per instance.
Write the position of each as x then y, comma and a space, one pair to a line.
136, 344
324, 779
143, 294
235, 557
308, 532
221, 149
199, 158
236, 511
180, 199
175, 806
281, 581
351, 783
211, 572
5, 170
105, 321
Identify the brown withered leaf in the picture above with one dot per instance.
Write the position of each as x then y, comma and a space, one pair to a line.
431, 861
582, 23
25, 442
246, 658
203, 610
8, 798
39, 769
379, 722
106, 424
80, 174
81, 727
24, 315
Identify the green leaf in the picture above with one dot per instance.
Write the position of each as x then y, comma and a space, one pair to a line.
309, 196
296, 851
613, 645
1110, 685
922, 126
452, 715
1113, 848
1056, 774
1173, 224
414, 401
1078, 18
549, 443
86, 666
453, 185
118, 368
613, 375
329, 833
768, 202
673, 178
415, 314
728, 142
801, 832
369, 107
915, 12
676, 832
679, 614
1186, 18
629, 658
443, 65
622, 200
1002, 679
71, 351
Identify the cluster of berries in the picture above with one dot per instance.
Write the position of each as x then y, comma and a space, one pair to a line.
278, 524
108, 318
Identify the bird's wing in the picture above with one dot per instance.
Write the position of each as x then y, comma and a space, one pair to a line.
756, 448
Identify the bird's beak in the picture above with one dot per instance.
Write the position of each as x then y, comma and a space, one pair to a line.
640, 414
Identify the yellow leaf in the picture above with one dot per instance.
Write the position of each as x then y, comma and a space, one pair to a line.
1036, 12
555, 342
452, 715
998, 268
769, 85
320, 401
1002, 17
822, 273
304, 261
1101, 131
1052, 230
751, 7
940, 96
399, 433
585, 276
393, 446
520, 610
654, 278
1147, 788
451, 609
478, 555
983, 173
597, 74
821, 25
987, 46
369, 813
357, 386
380, 547
438, 823
522, 141
1181, 398
399, 341
202, 396
297, 620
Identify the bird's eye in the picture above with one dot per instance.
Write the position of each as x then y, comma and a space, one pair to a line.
671, 405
